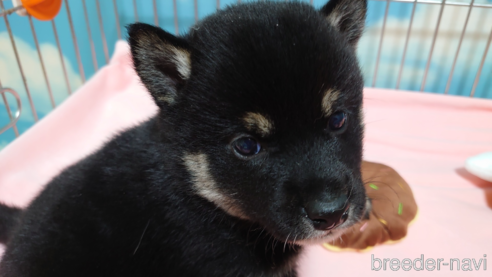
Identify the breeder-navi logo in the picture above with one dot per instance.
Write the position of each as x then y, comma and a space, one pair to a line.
429, 264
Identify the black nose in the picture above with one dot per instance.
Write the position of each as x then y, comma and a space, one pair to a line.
328, 215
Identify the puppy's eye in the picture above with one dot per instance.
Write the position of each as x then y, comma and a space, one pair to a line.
337, 121
246, 146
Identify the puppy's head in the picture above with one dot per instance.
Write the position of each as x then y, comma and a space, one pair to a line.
263, 101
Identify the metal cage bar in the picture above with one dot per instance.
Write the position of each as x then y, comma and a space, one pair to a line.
103, 35
43, 68
195, 6
89, 34
450, 78
9, 112
75, 44
176, 24
156, 17
117, 17
407, 39
380, 43
60, 53
13, 120
434, 38
482, 62
135, 12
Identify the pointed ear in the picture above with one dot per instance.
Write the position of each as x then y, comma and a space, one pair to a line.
162, 61
348, 16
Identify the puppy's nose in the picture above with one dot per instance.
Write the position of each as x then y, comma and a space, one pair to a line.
328, 215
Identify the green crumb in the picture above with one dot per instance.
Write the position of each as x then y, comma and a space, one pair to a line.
400, 208
374, 186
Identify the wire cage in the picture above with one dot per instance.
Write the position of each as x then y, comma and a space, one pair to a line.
434, 46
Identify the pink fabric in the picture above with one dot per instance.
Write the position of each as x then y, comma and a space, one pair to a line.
425, 137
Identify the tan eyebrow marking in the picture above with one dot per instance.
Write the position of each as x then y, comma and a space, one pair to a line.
329, 98
259, 123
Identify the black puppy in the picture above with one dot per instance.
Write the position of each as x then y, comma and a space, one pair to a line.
256, 151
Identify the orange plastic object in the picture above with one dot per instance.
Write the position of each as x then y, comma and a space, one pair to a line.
42, 9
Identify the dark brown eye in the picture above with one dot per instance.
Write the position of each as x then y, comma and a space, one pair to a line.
337, 121
246, 146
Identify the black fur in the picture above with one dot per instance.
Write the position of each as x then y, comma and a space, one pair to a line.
132, 208
9, 218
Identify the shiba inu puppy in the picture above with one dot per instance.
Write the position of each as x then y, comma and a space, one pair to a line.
255, 152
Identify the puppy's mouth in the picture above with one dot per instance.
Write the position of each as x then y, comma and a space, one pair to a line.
312, 236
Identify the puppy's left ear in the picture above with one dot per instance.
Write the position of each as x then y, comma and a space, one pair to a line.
162, 61
348, 16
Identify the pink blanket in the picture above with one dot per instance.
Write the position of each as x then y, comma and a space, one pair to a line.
425, 137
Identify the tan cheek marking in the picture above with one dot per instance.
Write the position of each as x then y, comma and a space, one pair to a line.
259, 123
205, 186
329, 98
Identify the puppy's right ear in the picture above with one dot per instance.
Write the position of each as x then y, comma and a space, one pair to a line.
162, 60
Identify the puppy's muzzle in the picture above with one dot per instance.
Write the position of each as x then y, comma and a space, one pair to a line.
326, 215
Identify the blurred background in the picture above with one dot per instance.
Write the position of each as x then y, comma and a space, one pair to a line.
424, 57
